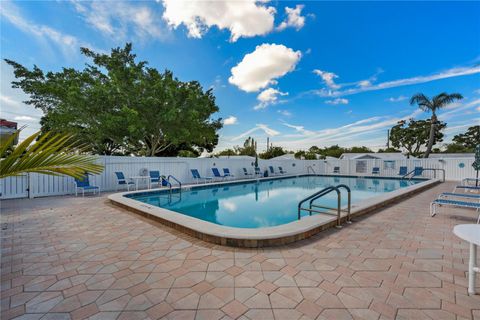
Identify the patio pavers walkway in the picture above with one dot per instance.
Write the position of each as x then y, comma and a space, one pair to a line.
74, 258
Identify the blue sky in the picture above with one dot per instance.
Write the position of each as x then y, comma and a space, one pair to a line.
302, 73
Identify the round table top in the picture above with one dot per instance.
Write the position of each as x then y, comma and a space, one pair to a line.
468, 232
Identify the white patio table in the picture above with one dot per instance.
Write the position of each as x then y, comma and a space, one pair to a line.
471, 234
136, 179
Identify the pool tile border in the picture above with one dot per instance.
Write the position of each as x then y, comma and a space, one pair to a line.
258, 237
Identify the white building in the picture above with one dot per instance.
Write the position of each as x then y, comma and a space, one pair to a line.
373, 155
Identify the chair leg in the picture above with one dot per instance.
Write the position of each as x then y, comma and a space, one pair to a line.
432, 209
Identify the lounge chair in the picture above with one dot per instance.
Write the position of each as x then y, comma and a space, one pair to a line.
272, 171
453, 203
197, 177
246, 173
375, 170
336, 169
84, 184
121, 181
258, 172
281, 170
466, 188
466, 181
459, 195
155, 178
227, 173
417, 171
402, 171
217, 174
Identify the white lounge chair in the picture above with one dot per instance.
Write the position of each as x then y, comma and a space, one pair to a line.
453, 203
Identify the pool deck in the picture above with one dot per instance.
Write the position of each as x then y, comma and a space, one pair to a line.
75, 258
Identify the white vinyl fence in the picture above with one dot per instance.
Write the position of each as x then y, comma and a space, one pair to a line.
37, 185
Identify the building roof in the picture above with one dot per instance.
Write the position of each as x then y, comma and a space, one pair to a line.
451, 155
287, 156
374, 155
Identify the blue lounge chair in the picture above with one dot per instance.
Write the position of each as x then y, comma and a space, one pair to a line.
375, 170
466, 188
246, 173
417, 171
453, 203
402, 171
227, 173
467, 181
217, 174
155, 178
197, 177
272, 171
459, 195
336, 169
257, 171
84, 184
281, 170
121, 181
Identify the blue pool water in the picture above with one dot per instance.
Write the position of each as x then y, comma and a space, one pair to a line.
258, 204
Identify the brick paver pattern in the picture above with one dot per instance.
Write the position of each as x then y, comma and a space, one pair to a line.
77, 258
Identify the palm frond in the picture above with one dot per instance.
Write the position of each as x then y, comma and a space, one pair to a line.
422, 101
53, 155
444, 99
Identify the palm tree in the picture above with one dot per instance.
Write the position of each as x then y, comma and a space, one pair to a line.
433, 105
56, 155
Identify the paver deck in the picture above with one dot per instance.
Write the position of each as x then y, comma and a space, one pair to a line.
76, 258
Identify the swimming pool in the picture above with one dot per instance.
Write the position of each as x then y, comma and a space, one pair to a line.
263, 212
263, 203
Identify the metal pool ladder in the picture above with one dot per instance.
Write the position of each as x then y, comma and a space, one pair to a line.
317, 195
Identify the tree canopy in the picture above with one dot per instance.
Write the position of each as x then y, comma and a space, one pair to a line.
414, 135
470, 139
119, 105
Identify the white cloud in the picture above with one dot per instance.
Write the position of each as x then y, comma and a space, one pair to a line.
294, 18
328, 78
459, 110
66, 42
450, 73
9, 101
267, 97
259, 127
397, 99
118, 18
337, 101
25, 118
285, 113
230, 121
260, 68
300, 129
247, 18
364, 83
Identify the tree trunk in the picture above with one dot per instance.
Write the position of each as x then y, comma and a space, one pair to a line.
431, 138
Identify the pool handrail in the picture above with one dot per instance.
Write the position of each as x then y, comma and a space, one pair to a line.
320, 194
178, 181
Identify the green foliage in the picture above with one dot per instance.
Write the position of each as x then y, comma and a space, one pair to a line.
307, 155
414, 135
187, 154
470, 139
249, 148
456, 148
433, 105
120, 106
227, 152
390, 149
272, 152
55, 155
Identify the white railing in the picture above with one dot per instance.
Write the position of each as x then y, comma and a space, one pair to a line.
37, 185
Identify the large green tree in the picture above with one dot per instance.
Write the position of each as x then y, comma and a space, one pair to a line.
433, 105
414, 135
470, 139
119, 105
